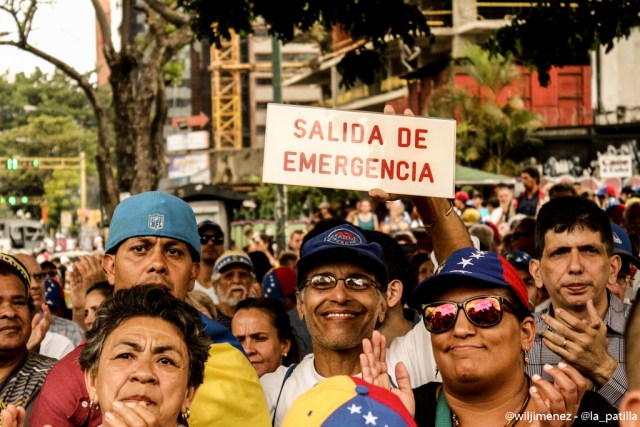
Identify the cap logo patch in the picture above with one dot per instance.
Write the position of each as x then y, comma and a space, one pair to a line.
345, 237
156, 221
616, 239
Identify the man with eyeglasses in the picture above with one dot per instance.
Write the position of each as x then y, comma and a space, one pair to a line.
341, 285
211, 247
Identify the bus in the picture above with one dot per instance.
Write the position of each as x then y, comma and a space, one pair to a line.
21, 234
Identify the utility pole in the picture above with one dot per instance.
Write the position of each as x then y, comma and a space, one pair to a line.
281, 190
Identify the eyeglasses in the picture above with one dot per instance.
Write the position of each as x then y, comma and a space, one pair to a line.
215, 239
483, 311
323, 282
625, 278
41, 276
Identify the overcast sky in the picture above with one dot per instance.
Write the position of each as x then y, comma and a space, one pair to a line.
65, 29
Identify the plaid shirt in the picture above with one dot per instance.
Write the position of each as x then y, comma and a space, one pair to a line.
615, 320
68, 328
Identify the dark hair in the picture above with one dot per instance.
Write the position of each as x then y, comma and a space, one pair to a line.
564, 214
274, 308
261, 264
562, 189
48, 264
286, 257
148, 301
533, 172
395, 259
103, 287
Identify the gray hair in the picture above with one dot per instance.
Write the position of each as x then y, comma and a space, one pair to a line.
147, 301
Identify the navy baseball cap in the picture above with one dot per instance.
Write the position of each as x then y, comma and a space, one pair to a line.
154, 213
232, 258
519, 259
622, 244
469, 266
343, 242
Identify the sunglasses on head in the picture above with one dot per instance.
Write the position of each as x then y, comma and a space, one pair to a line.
215, 239
483, 311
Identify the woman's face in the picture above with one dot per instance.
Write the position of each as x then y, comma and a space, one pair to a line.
462, 352
259, 338
91, 304
144, 364
425, 270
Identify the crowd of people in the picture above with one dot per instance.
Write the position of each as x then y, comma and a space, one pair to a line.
482, 310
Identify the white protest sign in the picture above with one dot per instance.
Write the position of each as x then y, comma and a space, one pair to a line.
359, 150
615, 165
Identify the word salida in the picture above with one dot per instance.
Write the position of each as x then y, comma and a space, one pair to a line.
355, 133
366, 167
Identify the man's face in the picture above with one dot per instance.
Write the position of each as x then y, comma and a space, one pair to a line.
234, 284
527, 181
15, 317
574, 268
160, 261
37, 278
211, 245
339, 318
504, 195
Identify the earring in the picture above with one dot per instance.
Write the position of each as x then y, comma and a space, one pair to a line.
186, 414
284, 354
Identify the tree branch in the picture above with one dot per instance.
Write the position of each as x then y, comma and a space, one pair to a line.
170, 15
105, 29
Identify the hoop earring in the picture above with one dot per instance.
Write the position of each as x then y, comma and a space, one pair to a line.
186, 414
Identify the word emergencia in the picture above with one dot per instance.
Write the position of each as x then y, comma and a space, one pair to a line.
359, 150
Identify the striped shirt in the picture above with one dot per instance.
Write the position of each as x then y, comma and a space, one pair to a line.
615, 320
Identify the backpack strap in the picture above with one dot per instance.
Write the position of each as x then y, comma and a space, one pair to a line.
284, 380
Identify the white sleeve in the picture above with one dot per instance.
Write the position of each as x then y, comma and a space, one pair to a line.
414, 349
271, 384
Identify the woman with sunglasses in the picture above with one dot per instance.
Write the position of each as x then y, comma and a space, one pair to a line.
476, 310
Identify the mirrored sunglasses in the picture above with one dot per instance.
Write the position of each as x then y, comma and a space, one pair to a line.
483, 311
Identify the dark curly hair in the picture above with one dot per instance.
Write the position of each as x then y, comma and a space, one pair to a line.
148, 301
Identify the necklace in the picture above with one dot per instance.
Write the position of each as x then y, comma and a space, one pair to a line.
456, 422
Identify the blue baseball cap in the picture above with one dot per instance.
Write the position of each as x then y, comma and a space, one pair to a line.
469, 266
519, 259
622, 244
343, 242
232, 258
154, 213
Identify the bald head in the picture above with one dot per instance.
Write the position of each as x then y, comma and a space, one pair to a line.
37, 282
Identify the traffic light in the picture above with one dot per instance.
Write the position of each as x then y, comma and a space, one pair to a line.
12, 163
36, 163
24, 200
12, 200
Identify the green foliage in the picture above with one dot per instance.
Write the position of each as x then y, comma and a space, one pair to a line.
560, 33
62, 194
491, 135
374, 21
47, 116
301, 201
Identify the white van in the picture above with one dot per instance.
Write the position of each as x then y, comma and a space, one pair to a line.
21, 234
